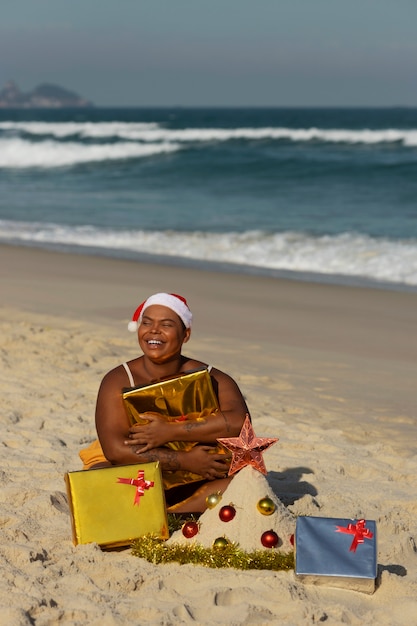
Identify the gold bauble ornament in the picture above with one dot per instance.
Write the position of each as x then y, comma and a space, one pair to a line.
213, 499
266, 506
220, 543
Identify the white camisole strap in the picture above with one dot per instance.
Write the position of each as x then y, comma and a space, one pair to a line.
129, 374
209, 368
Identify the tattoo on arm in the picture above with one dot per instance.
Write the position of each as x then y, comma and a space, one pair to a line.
189, 426
169, 459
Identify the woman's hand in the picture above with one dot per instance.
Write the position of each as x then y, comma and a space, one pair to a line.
204, 460
154, 434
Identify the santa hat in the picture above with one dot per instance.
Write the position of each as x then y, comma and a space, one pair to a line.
172, 301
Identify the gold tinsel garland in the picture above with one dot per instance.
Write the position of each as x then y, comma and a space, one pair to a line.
156, 551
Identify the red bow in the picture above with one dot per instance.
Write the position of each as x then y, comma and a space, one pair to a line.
361, 533
140, 483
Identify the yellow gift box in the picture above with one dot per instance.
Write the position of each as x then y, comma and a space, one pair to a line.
112, 506
188, 397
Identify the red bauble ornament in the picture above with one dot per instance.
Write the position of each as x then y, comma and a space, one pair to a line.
190, 529
227, 513
269, 539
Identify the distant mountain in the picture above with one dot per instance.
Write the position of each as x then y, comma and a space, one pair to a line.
44, 96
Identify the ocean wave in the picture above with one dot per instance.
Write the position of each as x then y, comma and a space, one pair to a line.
19, 153
347, 254
83, 129
153, 133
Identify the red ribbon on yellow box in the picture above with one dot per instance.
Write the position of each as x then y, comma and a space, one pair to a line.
358, 530
140, 483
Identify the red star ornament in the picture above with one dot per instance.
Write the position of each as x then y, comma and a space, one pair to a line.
247, 449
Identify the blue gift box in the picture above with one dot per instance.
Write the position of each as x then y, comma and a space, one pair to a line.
336, 552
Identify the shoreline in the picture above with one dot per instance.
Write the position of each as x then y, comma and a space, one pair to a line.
34, 279
221, 267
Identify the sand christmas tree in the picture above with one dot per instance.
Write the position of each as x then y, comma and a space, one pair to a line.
246, 527
248, 514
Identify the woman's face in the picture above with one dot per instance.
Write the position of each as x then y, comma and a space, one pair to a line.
161, 333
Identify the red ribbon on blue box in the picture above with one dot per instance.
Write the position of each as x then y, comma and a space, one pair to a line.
358, 530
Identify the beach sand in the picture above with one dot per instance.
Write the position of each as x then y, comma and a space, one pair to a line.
331, 371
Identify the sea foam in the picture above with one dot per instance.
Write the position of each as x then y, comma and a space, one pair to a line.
348, 254
20, 153
153, 132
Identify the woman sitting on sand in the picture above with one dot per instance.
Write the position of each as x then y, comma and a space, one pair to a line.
163, 324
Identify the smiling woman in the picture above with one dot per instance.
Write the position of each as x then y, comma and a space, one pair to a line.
163, 325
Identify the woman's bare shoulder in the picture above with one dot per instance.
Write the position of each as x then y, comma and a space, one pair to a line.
189, 365
195, 364
117, 376
192, 364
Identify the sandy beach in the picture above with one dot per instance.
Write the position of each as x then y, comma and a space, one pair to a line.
329, 370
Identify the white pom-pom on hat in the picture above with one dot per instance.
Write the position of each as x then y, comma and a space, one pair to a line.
172, 301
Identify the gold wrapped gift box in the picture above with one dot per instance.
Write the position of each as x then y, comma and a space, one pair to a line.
190, 394
112, 506
189, 397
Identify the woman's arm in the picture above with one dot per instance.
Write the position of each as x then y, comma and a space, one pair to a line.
112, 426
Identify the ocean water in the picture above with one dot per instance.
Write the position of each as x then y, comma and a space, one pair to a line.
322, 194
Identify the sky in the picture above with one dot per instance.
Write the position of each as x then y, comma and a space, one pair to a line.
215, 52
